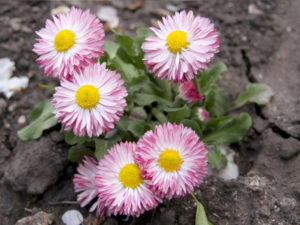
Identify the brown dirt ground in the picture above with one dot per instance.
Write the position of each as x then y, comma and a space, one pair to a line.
261, 47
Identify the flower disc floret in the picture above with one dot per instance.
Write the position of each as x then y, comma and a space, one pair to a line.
173, 159
69, 42
92, 102
181, 46
64, 40
170, 160
130, 175
177, 40
87, 96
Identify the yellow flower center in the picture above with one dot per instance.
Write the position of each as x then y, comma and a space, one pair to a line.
64, 40
170, 160
130, 175
87, 96
177, 40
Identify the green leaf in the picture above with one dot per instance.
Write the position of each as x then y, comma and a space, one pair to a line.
143, 99
159, 115
201, 218
194, 125
152, 124
39, 108
137, 83
72, 139
77, 152
165, 86
256, 93
47, 86
210, 76
127, 70
216, 160
138, 113
111, 48
125, 42
102, 145
138, 127
123, 124
43, 119
143, 32
217, 102
229, 131
215, 121
178, 114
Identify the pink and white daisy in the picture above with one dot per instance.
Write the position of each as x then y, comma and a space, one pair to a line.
202, 114
188, 92
173, 158
84, 182
182, 46
121, 186
69, 42
92, 102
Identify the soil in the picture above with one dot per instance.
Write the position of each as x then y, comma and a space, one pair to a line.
262, 46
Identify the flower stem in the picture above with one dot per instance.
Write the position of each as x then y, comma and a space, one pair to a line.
194, 197
197, 85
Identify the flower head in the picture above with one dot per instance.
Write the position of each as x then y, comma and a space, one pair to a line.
69, 43
173, 158
121, 186
188, 92
182, 46
202, 114
84, 182
92, 103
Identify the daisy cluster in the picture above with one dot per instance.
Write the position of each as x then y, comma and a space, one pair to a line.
166, 162
90, 98
135, 177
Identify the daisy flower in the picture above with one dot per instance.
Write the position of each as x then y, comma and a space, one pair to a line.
173, 158
84, 182
121, 186
202, 114
92, 102
69, 42
182, 46
188, 92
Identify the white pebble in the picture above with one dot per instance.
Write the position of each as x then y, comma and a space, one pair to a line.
231, 171
22, 119
72, 217
109, 14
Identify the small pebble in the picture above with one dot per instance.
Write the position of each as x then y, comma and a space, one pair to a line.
26, 29
72, 217
22, 119
3, 105
12, 107
252, 9
15, 24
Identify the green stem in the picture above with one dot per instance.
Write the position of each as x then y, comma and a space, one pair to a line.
194, 197
197, 85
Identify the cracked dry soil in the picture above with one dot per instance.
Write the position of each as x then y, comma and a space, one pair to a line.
263, 47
